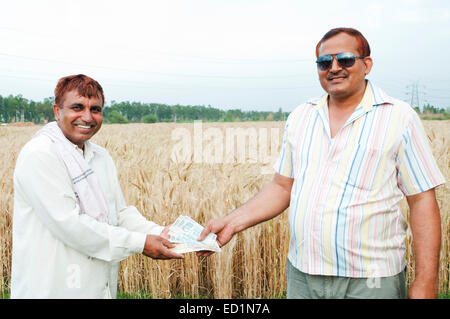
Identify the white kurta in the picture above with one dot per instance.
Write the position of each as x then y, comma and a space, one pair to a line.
58, 252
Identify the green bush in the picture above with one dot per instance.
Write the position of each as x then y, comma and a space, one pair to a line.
150, 118
116, 117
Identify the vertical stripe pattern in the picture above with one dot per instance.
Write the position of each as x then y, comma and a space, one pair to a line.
344, 212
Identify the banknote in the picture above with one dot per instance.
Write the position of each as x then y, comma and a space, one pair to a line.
184, 233
186, 229
186, 248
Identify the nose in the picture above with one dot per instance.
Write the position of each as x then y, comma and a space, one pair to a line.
335, 67
87, 116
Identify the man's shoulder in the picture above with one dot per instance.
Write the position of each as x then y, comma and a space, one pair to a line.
402, 107
40, 144
37, 152
43, 146
100, 153
307, 104
382, 98
99, 149
314, 100
304, 107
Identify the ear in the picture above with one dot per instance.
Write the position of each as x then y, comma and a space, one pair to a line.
368, 62
56, 111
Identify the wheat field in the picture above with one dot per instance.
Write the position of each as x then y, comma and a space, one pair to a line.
253, 264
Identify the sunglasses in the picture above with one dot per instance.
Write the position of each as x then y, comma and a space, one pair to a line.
344, 59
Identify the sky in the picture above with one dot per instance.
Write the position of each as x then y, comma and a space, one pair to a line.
246, 54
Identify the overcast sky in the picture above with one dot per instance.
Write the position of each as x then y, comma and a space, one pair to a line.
247, 54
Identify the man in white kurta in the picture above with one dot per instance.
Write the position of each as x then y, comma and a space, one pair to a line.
59, 252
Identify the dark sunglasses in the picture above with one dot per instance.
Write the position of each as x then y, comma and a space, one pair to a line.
344, 59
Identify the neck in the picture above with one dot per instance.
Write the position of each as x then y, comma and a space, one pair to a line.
347, 102
81, 146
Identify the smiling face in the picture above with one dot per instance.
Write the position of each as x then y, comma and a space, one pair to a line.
79, 117
338, 82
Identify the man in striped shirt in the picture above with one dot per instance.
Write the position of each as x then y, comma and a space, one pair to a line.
346, 161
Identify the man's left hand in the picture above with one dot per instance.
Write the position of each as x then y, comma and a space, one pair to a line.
165, 233
423, 289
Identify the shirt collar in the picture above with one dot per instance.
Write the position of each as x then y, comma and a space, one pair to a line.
88, 152
373, 96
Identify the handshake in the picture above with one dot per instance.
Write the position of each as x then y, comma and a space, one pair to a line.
184, 235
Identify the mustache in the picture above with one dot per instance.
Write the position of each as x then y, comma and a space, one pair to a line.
331, 76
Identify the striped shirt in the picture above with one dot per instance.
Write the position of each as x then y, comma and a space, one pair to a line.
344, 215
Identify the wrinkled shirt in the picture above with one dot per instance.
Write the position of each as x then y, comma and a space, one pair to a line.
56, 251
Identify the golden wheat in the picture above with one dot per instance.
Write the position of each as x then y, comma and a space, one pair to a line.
252, 265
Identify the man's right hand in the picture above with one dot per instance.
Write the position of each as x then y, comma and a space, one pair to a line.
218, 226
271, 201
157, 247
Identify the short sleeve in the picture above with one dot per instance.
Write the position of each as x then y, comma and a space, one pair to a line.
284, 164
416, 166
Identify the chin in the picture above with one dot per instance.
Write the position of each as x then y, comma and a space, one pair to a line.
338, 89
335, 91
80, 139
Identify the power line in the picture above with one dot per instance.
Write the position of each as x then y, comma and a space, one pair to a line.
156, 86
26, 78
207, 59
414, 95
151, 72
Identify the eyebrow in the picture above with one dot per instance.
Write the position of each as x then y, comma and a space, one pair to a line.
82, 105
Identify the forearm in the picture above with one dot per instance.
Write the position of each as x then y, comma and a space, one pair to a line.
426, 230
271, 201
427, 240
131, 219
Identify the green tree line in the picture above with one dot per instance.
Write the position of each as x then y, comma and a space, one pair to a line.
430, 112
18, 109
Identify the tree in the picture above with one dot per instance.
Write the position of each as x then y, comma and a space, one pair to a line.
164, 113
44, 110
228, 116
279, 116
